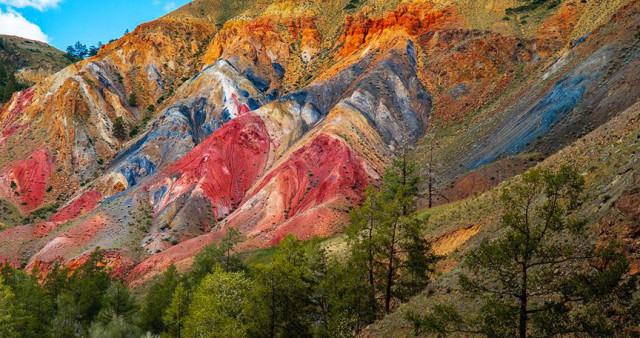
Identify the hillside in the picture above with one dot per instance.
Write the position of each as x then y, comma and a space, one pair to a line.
30, 61
607, 158
273, 117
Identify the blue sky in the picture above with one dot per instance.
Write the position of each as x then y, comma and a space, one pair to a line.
63, 22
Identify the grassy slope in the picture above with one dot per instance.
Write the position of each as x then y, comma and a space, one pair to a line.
609, 159
37, 58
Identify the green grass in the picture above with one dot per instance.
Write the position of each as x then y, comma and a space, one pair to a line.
9, 215
532, 6
42, 214
32, 54
260, 256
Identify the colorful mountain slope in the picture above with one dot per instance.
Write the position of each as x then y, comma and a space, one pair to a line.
608, 160
272, 117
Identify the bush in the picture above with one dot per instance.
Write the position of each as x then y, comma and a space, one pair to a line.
134, 131
133, 100
119, 130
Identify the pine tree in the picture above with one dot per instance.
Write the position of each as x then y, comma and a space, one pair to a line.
542, 277
88, 285
117, 303
205, 262
176, 313
362, 239
349, 303
133, 100
228, 245
32, 308
81, 50
118, 327
66, 322
315, 276
280, 301
157, 300
388, 239
56, 283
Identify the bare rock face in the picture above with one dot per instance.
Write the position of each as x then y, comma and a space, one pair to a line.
275, 120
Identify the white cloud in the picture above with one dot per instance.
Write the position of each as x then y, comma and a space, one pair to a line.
37, 4
12, 23
168, 7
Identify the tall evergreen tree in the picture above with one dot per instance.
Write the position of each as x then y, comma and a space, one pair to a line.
117, 302
157, 300
279, 305
88, 285
176, 314
66, 322
32, 308
56, 283
386, 236
228, 246
542, 277
205, 262
348, 297
363, 240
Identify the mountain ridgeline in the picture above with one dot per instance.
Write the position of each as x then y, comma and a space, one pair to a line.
385, 149
24, 62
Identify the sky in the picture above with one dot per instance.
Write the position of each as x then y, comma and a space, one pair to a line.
63, 22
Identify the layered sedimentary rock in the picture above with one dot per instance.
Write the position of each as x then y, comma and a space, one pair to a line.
276, 120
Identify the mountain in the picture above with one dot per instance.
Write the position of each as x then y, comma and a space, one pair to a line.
608, 159
29, 61
273, 116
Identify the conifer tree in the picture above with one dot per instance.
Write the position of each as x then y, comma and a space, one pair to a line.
228, 245
388, 238
117, 303
176, 313
542, 277
32, 308
279, 305
157, 300
56, 283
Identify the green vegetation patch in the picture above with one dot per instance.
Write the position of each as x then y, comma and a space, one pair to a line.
9, 215
42, 214
532, 5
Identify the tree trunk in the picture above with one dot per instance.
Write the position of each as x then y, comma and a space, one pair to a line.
390, 272
404, 180
522, 327
430, 192
372, 282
